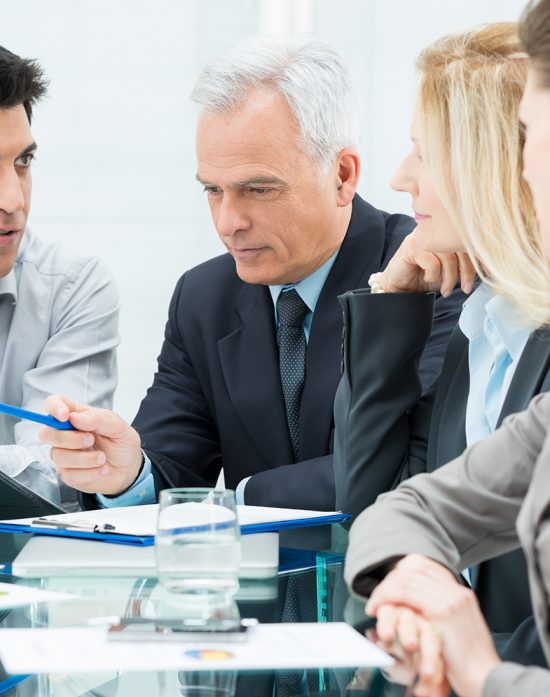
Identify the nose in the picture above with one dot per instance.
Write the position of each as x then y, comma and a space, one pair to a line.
230, 216
12, 198
404, 178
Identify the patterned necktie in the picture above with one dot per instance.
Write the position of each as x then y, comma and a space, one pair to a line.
291, 311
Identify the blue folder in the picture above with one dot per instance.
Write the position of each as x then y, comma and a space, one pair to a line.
147, 540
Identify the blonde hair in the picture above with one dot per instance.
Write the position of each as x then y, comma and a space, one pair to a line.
470, 88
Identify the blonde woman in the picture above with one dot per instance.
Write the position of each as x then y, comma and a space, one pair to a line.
473, 209
469, 510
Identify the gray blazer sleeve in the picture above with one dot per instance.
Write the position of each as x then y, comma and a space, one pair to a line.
511, 680
460, 515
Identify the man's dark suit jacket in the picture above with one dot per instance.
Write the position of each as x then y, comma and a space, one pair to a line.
217, 400
383, 423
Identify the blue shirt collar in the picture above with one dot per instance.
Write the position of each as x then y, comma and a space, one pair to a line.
487, 312
310, 287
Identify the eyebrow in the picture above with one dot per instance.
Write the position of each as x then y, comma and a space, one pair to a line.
253, 181
260, 181
28, 150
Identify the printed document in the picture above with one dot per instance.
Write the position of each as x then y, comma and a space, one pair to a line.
268, 647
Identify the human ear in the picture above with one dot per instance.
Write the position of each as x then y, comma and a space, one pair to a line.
348, 166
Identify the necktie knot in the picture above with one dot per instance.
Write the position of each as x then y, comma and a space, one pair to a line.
291, 309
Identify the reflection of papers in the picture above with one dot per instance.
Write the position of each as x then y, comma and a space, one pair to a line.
269, 646
44, 557
12, 595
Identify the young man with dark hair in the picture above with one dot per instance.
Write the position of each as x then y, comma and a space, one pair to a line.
58, 313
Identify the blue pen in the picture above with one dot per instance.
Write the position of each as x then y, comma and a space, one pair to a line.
33, 416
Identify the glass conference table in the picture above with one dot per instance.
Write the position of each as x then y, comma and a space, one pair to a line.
308, 588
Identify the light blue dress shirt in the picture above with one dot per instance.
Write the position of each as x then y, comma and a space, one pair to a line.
497, 333
309, 289
58, 331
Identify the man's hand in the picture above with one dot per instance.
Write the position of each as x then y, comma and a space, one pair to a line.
102, 456
413, 270
431, 590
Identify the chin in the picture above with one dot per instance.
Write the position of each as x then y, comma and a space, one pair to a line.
427, 240
6, 265
253, 276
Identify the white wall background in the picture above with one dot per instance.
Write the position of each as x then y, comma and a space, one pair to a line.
115, 170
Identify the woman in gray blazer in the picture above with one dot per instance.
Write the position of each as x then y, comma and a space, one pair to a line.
493, 498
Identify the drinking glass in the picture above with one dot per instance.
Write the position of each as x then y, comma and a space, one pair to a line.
198, 542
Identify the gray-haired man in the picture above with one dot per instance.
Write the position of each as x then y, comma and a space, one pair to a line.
251, 358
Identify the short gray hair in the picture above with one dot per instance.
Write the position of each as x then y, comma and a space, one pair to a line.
308, 73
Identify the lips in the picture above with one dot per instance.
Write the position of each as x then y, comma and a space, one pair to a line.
245, 251
9, 238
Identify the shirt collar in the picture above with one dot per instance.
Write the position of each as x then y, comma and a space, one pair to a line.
509, 323
473, 313
310, 287
8, 286
489, 313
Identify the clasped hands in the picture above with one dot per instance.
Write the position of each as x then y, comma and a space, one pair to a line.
434, 625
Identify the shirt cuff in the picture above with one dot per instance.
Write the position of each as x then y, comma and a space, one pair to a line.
239, 492
141, 492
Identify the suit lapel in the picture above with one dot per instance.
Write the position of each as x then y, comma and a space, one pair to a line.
322, 373
447, 437
529, 375
249, 356
250, 366
527, 381
360, 255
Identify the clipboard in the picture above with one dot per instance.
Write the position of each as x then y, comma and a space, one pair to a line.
96, 525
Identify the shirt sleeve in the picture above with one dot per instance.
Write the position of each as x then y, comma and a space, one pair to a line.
141, 492
239, 491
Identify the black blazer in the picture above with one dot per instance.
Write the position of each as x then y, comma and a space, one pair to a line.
216, 399
419, 434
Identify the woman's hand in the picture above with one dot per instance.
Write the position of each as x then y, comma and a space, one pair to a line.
430, 590
413, 270
416, 645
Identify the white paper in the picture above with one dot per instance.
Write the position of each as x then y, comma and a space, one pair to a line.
268, 647
12, 595
142, 520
